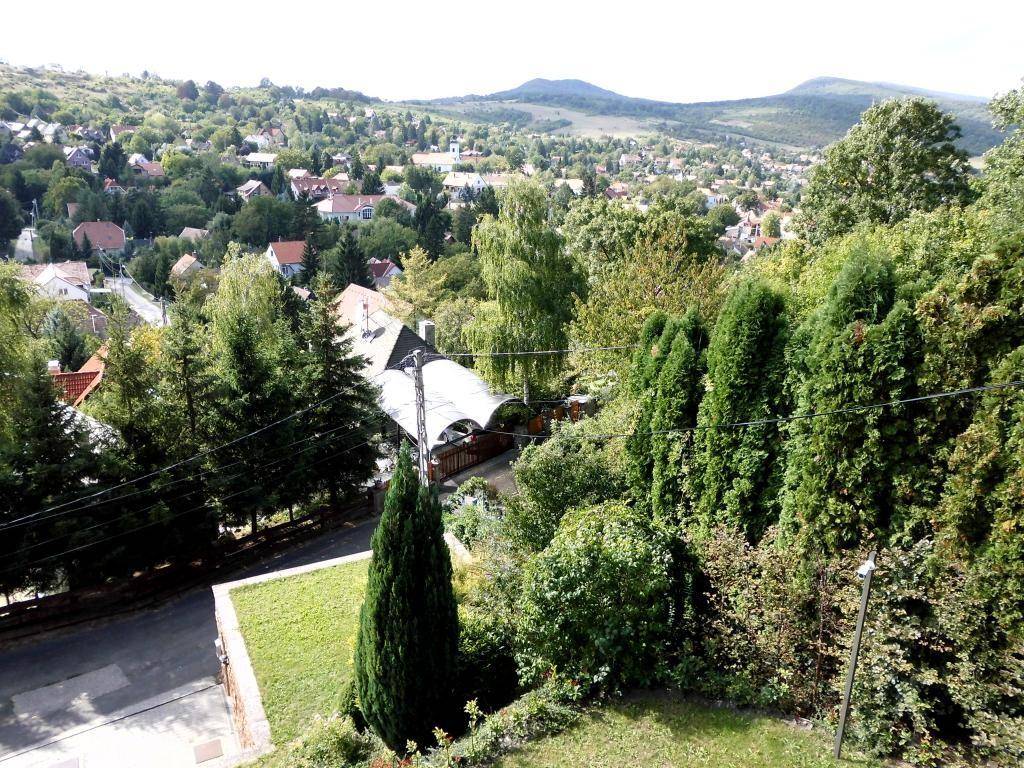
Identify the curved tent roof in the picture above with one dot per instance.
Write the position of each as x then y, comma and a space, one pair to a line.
453, 394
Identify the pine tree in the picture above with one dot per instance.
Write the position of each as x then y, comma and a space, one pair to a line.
739, 470
346, 403
346, 263
356, 167
310, 260
408, 627
678, 394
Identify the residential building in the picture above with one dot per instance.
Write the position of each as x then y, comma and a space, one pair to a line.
103, 236
76, 386
463, 186
117, 131
78, 157
186, 265
286, 256
194, 234
354, 207
442, 162
252, 188
64, 281
383, 270
112, 187
316, 188
263, 160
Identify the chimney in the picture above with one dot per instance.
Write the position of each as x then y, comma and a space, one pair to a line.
426, 329
53, 367
364, 316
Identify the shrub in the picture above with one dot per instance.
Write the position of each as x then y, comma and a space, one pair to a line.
469, 512
329, 743
565, 472
597, 603
775, 630
486, 666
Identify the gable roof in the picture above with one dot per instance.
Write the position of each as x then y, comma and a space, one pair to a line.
78, 385
348, 203
74, 272
251, 186
101, 234
185, 263
287, 251
382, 267
317, 187
193, 233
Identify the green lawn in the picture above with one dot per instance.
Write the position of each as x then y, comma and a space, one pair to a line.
665, 731
300, 633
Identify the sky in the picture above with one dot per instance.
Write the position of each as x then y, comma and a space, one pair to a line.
668, 50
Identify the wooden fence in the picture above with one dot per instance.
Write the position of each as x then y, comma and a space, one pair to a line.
472, 451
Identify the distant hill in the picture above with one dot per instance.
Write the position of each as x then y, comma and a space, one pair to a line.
812, 114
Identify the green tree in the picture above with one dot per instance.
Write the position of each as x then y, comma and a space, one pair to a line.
678, 394
67, 342
372, 184
739, 469
854, 477
901, 157
339, 399
416, 291
310, 260
346, 263
771, 225
10, 219
531, 285
408, 627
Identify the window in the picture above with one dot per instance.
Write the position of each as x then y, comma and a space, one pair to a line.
367, 212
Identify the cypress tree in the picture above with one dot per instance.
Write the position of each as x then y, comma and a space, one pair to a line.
644, 378
739, 470
852, 477
408, 627
678, 393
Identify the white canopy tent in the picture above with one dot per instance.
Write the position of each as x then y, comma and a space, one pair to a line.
453, 395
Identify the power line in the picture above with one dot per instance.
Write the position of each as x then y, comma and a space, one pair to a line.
795, 416
203, 453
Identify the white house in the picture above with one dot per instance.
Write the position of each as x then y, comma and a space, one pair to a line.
64, 281
355, 207
286, 256
442, 162
264, 160
461, 185
383, 270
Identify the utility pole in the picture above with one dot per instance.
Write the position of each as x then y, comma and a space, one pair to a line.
423, 449
865, 571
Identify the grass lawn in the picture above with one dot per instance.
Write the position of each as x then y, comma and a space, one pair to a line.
665, 731
300, 633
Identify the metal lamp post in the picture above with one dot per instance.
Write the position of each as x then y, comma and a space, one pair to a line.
865, 571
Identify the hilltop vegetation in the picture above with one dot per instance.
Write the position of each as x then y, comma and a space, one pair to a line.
812, 114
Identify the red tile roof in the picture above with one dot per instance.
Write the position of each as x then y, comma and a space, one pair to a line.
102, 234
288, 251
74, 384
380, 268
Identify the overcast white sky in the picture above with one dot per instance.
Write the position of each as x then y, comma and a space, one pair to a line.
398, 49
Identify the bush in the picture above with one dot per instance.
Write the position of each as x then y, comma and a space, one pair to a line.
597, 602
486, 667
565, 472
329, 743
775, 630
469, 512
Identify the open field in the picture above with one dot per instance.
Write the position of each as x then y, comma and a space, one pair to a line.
665, 730
300, 634
583, 124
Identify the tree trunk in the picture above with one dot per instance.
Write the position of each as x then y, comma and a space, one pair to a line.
252, 521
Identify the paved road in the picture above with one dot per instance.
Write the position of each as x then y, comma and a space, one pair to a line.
144, 307
64, 684
24, 245
153, 673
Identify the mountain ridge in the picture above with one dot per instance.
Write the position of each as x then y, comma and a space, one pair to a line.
813, 113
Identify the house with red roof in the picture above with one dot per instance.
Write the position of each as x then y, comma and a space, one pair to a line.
103, 236
76, 386
355, 207
286, 256
383, 270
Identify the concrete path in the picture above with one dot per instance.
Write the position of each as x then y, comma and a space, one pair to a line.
133, 691
497, 471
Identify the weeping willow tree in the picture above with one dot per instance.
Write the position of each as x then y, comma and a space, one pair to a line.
531, 285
